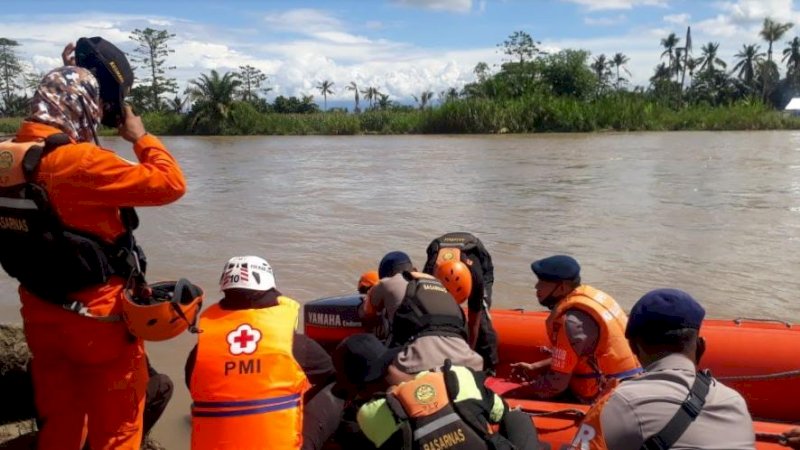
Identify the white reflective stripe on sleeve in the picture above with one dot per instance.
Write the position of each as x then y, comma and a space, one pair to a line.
17, 203
423, 431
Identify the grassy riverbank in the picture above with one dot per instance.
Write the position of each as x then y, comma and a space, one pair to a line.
527, 115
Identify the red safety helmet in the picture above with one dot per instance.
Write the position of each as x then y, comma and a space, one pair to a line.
167, 310
367, 280
457, 278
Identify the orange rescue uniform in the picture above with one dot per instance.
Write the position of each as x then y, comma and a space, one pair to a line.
246, 386
85, 371
612, 357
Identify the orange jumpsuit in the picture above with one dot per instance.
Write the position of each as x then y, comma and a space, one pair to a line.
90, 376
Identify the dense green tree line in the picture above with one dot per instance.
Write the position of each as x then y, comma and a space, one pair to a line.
566, 90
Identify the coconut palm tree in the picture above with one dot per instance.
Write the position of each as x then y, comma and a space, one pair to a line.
619, 60
371, 94
749, 59
176, 104
602, 69
709, 58
791, 56
354, 87
670, 43
661, 73
212, 96
772, 31
325, 89
423, 98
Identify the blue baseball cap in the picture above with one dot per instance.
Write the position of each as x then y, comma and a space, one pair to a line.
664, 310
392, 262
556, 268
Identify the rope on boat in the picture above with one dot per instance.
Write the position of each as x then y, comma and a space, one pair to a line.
767, 376
567, 412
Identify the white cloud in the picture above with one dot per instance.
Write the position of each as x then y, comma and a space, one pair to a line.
459, 6
597, 5
677, 19
605, 21
302, 20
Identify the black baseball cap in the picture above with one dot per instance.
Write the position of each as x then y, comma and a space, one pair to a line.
113, 72
363, 359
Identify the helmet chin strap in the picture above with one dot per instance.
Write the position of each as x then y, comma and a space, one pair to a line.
90, 121
549, 302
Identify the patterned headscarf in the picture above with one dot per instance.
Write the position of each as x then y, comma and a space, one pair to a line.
61, 99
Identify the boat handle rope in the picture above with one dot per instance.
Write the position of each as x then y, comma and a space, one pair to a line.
577, 413
740, 320
766, 376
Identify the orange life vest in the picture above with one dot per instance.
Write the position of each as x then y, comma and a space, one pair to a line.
246, 386
612, 357
430, 419
590, 433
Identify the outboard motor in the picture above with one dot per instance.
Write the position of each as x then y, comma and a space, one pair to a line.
330, 320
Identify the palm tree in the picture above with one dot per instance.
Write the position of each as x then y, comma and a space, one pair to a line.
709, 58
619, 60
423, 98
176, 104
354, 87
749, 58
602, 69
371, 94
325, 89
662, 73
791, 56
670, 43
212, 96
771, 31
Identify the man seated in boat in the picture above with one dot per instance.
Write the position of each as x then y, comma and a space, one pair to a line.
423, 318
586, 328
452, 249
671, 405
448, 407
249, 353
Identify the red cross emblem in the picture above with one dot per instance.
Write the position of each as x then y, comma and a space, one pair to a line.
243, 340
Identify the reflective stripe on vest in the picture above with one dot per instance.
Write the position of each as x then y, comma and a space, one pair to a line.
226, 409
612, 357
235, 404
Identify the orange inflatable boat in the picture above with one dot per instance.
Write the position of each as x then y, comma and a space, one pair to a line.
760, 359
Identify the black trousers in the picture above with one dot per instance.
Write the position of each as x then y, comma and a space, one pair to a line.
486, 346
321, 416
518, 428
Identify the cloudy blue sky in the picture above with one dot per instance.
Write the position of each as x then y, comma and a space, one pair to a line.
403, 47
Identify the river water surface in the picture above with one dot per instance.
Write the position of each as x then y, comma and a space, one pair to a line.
716, 214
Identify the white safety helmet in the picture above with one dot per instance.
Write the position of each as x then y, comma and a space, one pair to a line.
247, 272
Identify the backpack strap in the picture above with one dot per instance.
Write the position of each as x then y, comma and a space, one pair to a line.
402, 420
32, 159
683, 418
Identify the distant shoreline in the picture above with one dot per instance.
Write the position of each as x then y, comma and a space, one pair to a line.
475, 117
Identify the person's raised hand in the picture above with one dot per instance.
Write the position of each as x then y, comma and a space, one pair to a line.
131, 129
68, 55
793, 438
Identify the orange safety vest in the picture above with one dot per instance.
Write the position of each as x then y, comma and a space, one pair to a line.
612, 357
247, 388
430, 419
590, 433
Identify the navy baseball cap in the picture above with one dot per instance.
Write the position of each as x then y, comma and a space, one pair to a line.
393, 261
662, 311
363, 359
556, 268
